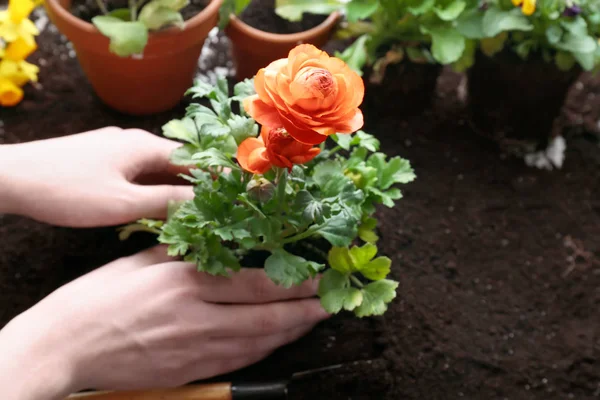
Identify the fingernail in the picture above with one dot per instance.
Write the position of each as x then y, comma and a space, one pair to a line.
314, 285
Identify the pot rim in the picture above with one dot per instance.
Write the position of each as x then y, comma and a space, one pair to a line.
240, 25
89, 28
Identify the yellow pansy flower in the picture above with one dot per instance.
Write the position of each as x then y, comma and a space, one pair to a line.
10, 94
18, 72
19, 50
14, 22
527, 6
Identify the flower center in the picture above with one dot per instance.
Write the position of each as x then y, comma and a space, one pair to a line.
318, 81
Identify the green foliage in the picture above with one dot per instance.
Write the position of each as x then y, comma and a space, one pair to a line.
230, 7
553, 32
284, 212
128, 31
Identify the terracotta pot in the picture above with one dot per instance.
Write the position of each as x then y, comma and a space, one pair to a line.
151, 84
410, 86
516, 102
254, 49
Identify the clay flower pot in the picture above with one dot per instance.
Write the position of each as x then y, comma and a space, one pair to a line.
516, 102
254, 49
150, 84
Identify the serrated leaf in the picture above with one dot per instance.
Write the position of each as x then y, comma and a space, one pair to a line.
377, 269
348, 299
338, 231
214, 158
366, 230
287, 270
376, 297
451, 11
342, 140
367, 141
339, 260
313, 210
200, 89
244, 89
387, 197
361, 9
183, 155
242, 128
182, 129
126, 37
396, 170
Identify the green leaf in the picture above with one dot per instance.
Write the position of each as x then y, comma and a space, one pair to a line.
173, 4
496, 21
554, 34
339, 260
214, 158
377, 269
244, 89
183, 155
361, 9
424, 7
451, 11
336, 294
586, 60
338, 231
492, 46
343, 140
367, 141
242, 128
347, 298
123, 14
447, 44
355, 55
286, 269
292, 10
200, 89
396, 170
366, 230
182, 129
313, 210
229, 7
577, 43
564, 61
329, 176
470, 24
126, 38
156, 16
376, 297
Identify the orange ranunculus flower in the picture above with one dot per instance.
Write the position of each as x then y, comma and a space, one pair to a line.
274, 147
309, 94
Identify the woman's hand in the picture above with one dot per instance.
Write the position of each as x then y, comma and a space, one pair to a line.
148, 322
90, 179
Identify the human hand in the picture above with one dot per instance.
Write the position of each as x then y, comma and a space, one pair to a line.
148, 322
90, 179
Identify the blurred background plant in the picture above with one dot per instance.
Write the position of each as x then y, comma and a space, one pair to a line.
17, 42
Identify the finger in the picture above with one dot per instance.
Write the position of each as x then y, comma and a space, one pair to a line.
251, 286
266, 319
242, 346
154, 157
151, 256
153, 201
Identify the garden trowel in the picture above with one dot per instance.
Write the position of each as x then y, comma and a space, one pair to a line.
276, 390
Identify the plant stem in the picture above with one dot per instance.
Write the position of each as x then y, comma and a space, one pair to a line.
356, 281
133, 9
335, 150
307, 233
102, 6
281, 186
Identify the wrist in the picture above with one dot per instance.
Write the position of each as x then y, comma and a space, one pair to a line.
8, 190
35, 362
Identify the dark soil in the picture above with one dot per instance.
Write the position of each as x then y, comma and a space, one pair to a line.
260, 14
88, 9
502, 84
499, 264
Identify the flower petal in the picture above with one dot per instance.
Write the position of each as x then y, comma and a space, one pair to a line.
263, 113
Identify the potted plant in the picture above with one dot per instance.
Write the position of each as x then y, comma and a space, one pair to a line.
140, 58
17, 42
259, 36
282, 199
528, 57
401, 45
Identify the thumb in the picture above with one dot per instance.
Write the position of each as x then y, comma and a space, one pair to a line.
153, 201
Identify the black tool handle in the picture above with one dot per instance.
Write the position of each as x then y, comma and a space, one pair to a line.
259, 391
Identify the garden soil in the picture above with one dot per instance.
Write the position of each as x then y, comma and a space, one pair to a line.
498, 263
260, 14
